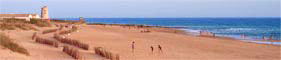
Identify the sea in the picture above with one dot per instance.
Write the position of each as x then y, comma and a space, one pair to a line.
255, 29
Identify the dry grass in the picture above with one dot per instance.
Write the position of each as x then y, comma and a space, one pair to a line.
69, 21
5, 26
46, 41
26, 27
8, 43
65, 32
63, 21
13, 20
107, 54
40, 23
12, 24
72, 42
74, 28
72, 52
49, 31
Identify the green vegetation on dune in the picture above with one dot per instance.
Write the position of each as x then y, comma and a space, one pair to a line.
70, 21
74, 28
5, 26
49, 31
40, 23
8, 43
62, 21
13, 20
12, 24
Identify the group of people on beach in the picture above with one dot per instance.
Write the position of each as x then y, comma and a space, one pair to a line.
159, 47
145, 31
151, 47
263, 38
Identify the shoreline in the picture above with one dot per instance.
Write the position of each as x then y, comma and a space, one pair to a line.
184, 32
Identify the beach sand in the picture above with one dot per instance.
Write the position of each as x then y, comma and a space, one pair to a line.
119, 39
175, 46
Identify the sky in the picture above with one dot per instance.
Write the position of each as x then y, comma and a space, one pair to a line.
145, 8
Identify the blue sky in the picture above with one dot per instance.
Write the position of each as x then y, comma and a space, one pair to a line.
146, 8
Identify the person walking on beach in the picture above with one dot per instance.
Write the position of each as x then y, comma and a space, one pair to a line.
271, 37
264, 38
160, 49
133, 46
243, 36
152, 49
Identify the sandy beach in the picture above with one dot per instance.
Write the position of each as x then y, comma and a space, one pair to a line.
119, 40
140, 30
175, 46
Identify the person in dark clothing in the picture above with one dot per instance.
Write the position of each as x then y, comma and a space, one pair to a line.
160, 48
152, 49
133, 46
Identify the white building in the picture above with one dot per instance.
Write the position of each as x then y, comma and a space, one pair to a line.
27, 17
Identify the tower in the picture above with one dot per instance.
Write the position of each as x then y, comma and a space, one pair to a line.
44, 13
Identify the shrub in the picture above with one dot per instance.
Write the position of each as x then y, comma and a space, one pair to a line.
34, 21
49, 31
8, 43
40, 22
14, 20
11, 24
74, 28
25, 27
7, 26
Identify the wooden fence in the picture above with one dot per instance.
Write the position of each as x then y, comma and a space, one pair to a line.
71, 42
72, 52
107, 54
46, 41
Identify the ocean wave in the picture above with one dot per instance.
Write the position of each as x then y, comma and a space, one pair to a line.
178, 26
194, 26
190, 30
264, 42
240, 29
